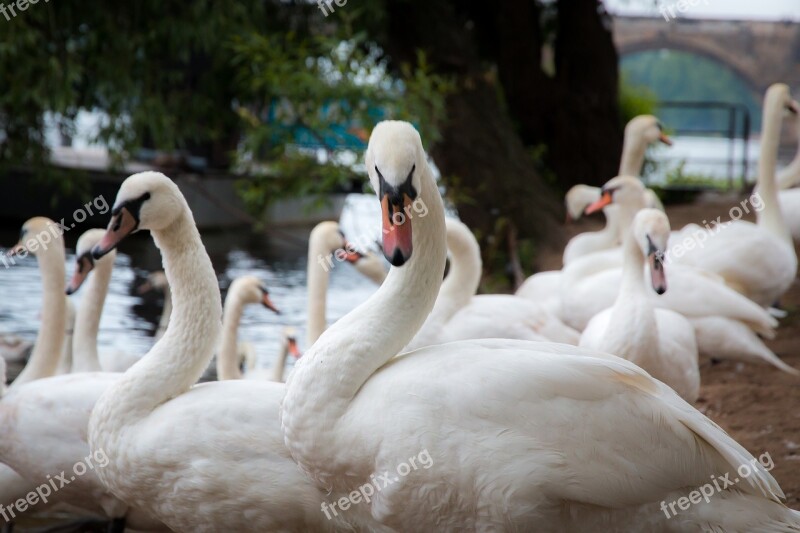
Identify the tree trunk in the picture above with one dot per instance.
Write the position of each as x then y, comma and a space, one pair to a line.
484, 163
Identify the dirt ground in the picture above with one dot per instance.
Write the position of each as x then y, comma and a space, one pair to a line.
756, 404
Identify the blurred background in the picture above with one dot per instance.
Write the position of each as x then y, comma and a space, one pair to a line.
261, 110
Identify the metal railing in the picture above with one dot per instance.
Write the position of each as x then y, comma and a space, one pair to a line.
730, 131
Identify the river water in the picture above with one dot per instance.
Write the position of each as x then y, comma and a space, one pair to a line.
129, 320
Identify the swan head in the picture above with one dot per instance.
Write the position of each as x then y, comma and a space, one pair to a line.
84, 261
147, 200
622, 190
34, 237
780, 96
578, 198
647, 128
395, 160
290, 340
651, 233
250, 290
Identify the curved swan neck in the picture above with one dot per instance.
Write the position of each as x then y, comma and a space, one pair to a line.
633, 283
177, 361
333, 370
49, 344
789, 176
634, 148
87, 319
770, 217
280, 364
317, 288
227, 360
165, 314
458, 287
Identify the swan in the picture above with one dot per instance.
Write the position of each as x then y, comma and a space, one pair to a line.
246, 290
757, 259
521, 435
204, 457
789, 197
660, 341
44, 421
41, 237
65, 362
85, 357
459, 314
327, 245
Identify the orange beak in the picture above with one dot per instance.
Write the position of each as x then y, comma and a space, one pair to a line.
293, 349
120, 226
657, 276
350, 253
397, 238
604, 200
664, 139
268, 304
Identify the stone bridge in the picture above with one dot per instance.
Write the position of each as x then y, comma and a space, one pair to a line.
760, 52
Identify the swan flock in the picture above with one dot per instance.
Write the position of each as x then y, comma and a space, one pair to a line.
567, 406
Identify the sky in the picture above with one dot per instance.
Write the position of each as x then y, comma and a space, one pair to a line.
728, 9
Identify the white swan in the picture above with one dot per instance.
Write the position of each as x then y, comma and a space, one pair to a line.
459, 314
658, 340
327, 246
44, 421
85, 356
41, 237
521, 436
205, 457
244, 290
789, 197
758, 259
277, 372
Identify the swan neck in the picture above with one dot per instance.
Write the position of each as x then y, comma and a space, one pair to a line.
770, 217
165, 314
227, 360
333, 370
180, 357
317, 275
87, 318
633, 152
280, 364
44, 358
633, 282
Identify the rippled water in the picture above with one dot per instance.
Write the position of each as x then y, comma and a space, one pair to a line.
129, 320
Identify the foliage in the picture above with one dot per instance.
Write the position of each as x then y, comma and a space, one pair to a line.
635, 100
311, 102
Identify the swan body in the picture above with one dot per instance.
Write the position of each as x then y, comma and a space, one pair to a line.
660, 341
757, 259
520, 435
458, 314
170, 442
